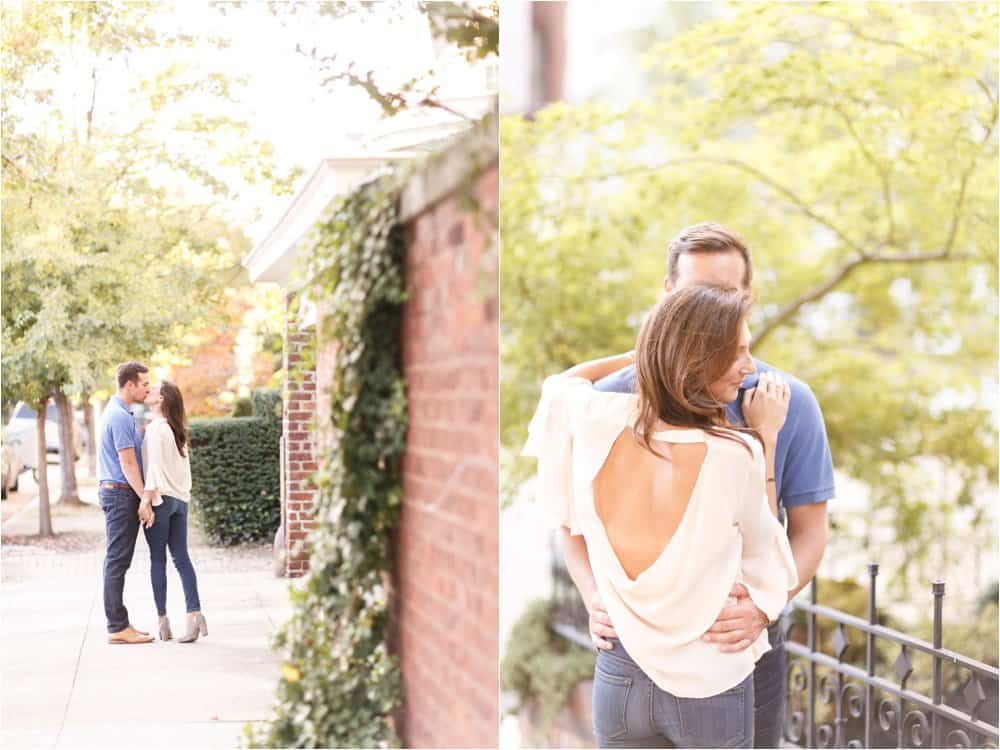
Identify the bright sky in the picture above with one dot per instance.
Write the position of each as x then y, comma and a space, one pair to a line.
283, 98
288, 107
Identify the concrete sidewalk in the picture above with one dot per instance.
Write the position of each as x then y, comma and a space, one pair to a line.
64, 686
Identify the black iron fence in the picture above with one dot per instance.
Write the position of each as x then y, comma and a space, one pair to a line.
846, 698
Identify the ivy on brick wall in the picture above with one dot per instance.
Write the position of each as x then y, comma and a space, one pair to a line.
339, 683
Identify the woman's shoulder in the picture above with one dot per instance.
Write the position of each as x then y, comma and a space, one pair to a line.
158, 427
736, 443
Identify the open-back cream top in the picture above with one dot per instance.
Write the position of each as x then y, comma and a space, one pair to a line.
727, 534
167, 471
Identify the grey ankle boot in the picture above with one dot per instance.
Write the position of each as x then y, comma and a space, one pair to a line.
196, 626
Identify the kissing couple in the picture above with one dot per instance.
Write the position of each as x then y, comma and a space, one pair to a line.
671, 473
146, 481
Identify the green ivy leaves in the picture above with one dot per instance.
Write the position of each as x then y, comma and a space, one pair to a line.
339, 682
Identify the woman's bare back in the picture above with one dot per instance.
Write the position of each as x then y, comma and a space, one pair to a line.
641, 498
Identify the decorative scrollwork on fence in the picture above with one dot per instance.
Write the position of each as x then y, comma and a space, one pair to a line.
798, 692
919, 728
850, 698
958, 738
854, 695
889, 711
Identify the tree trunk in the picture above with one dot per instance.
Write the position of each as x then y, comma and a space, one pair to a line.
88, 421
44, 514
67, 450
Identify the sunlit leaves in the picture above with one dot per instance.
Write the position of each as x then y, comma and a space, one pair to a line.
825, 134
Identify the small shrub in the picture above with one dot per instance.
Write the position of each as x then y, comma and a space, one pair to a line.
540, 665
235, 474
242, 407
266, 402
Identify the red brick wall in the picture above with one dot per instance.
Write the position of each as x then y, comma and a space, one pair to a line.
298, 417
446, 542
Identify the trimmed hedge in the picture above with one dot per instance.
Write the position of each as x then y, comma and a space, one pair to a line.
235, 473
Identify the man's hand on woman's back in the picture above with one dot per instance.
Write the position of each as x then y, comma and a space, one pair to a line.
738, 625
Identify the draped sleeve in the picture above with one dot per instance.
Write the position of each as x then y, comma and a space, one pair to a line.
768, 568
571, 412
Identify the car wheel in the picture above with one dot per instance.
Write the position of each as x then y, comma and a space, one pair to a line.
3, 492
34, 475
16, 480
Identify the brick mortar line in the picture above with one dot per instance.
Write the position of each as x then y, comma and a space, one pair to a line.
444, 455
456, 360
439, 601
442, 515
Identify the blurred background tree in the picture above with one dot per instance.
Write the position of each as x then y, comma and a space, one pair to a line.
118, 233
854, 147
472, 26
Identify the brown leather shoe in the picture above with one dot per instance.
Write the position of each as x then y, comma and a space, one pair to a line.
129, 635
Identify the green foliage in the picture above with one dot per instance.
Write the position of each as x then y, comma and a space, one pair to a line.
339, 682
540, 666
235, 473
101, 262
266, 402
474, 30
472, 27
242, 407
854, 147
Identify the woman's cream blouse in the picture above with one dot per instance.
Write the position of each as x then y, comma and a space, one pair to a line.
727, 535
167, 471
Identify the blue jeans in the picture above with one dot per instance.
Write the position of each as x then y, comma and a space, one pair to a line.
121, 522
631, 711
170, 530
769, 691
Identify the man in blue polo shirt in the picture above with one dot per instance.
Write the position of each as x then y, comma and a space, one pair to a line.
708, 253
121, 486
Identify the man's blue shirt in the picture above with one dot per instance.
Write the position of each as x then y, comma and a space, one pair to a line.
117, 432
803, 467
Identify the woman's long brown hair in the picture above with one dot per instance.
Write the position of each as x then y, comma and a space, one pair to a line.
173, 412
687, 343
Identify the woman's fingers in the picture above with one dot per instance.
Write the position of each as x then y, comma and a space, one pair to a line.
774, 385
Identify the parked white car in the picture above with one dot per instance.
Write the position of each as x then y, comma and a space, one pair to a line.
21, 430
12, 468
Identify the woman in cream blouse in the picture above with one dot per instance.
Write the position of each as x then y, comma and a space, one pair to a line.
168, 493
673, 504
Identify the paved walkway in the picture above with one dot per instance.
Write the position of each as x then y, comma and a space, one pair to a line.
65, 687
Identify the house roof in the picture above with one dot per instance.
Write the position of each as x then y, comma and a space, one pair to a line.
273, 258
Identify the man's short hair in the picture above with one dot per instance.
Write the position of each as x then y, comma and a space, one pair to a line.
707, 237
128, 372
